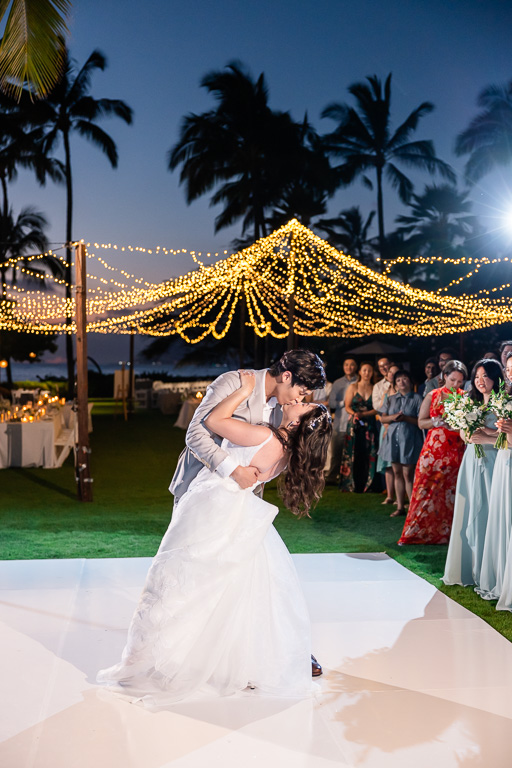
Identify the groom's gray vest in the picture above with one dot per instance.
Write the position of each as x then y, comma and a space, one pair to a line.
202, 446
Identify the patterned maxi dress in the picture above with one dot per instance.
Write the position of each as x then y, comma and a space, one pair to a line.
359, 456
429, 519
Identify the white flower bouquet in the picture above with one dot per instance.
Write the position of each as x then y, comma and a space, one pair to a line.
461, 412
500, 403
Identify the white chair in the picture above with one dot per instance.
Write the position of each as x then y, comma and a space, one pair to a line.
64, 443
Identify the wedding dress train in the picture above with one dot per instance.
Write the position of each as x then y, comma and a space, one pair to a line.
222, 606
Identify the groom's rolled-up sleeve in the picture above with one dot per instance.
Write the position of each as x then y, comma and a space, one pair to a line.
199, 439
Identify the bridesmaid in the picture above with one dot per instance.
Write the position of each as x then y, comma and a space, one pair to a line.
497, 536
430, 513
505, 601
358, 460
473, 490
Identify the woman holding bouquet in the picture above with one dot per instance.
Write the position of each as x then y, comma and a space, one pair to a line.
431, 509
495, 572
473, 490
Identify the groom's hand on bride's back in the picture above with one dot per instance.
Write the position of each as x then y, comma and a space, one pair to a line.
245, 476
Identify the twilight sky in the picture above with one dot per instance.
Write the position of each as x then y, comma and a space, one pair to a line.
444, 51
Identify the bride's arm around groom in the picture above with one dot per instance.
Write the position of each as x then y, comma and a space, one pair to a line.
202, 447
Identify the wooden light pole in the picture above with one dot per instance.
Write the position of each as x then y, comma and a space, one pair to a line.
83, 472
131, 407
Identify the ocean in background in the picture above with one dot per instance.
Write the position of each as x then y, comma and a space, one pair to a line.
40, 371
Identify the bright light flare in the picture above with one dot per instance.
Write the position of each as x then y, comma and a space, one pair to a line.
507, 220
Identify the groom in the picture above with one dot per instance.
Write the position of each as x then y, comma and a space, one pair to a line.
294, 376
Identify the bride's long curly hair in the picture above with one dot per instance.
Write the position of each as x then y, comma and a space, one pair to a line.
306, 446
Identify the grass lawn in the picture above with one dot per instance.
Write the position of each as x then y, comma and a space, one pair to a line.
132, 464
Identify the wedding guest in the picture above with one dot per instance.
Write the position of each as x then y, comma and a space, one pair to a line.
340, 418
496, 570
505, 350
403, 441
382, 385
471, 509
499, 523
384, 467
320, 396
505, 502
508, 370
431, 371
444, 356
433, 494
357, 469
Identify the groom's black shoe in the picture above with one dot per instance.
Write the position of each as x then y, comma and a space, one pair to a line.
316, 669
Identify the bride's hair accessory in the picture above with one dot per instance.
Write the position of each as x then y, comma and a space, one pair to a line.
325, 415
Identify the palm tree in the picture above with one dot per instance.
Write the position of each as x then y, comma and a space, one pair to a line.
349, 232
32, 49
18, 238
70, 109
438, 225
20, 145
488, 138
242, 148
366, 142
313, 181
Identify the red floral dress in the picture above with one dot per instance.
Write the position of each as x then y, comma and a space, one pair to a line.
429, 519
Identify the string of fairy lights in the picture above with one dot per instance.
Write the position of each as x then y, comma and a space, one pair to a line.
292, 273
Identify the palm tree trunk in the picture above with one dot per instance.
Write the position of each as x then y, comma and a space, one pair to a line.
69, 271
4, 192
380, 214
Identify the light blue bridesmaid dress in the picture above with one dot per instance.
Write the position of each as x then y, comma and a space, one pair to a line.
471, 510
505, 601
499, 524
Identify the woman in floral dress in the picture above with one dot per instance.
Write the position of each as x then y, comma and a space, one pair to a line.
430, 513
359, 455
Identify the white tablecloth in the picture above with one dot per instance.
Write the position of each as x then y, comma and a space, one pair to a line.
29, 444
187, 410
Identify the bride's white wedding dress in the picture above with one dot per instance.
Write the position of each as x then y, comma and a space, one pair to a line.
222, 606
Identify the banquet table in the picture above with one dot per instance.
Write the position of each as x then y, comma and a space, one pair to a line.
29, 444
187, 410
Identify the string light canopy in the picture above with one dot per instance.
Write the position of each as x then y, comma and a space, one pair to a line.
290, 276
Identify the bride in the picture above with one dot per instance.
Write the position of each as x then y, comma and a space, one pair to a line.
222, 607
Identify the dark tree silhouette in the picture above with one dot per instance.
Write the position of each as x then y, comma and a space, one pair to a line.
365, 141
20, 145
488, 138
349, 233
312, 183
71, 109
437, 227
20, 238
242, 149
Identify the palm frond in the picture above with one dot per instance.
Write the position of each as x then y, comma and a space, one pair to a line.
32, 49
100, 138
400, 182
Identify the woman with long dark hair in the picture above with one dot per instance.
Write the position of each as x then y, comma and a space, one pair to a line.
496, 569
222, 607
359, 455
472, 494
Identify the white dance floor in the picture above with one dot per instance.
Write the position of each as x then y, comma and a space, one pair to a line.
411, 678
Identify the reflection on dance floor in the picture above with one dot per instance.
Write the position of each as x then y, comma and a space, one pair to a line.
411, 679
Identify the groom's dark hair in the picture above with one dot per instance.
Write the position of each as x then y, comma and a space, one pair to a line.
306, 368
